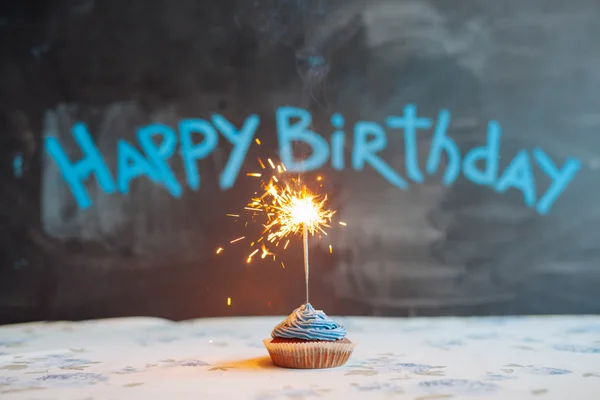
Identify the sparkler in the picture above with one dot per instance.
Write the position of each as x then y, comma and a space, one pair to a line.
289, 208
292, 209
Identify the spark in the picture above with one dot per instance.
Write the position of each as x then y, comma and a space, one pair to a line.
238, 239
261, 164
257, 140
330, 249
255, 174
220, 249
251, 255
233, 215
265, 252
319, 178
342, 223
271, 163
282, 265
229, 301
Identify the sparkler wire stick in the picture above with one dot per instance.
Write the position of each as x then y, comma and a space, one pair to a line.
306, 267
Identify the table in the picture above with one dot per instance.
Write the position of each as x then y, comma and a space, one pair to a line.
550, 358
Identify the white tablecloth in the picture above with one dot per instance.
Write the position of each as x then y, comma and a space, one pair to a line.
551, 358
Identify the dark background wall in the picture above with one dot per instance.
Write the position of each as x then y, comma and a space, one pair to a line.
431, 250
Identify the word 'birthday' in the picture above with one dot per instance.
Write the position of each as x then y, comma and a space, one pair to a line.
196, 139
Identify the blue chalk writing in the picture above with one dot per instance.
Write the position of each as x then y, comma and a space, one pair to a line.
130, 165
440, 143
410, 123
338, 141
518, 175
191, 152
299, 131
489, 154
241, 142
159, 155
365, 150
337, 120
18, 165
92, 163
198, 138
560, 179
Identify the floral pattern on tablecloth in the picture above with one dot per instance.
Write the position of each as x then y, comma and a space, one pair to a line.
418, 359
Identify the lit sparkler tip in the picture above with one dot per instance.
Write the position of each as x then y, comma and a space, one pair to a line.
289, 207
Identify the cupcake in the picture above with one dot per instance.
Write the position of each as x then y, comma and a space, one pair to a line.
309, 339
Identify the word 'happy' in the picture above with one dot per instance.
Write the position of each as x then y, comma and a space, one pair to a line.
294, 125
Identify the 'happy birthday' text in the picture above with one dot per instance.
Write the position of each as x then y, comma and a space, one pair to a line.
480, 165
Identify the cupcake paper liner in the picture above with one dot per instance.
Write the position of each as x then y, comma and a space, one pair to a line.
309, 355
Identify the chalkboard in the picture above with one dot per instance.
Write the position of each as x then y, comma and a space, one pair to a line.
455, 141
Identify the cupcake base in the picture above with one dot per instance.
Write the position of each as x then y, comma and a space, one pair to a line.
308, 354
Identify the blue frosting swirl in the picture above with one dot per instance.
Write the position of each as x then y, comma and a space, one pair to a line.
309, 324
